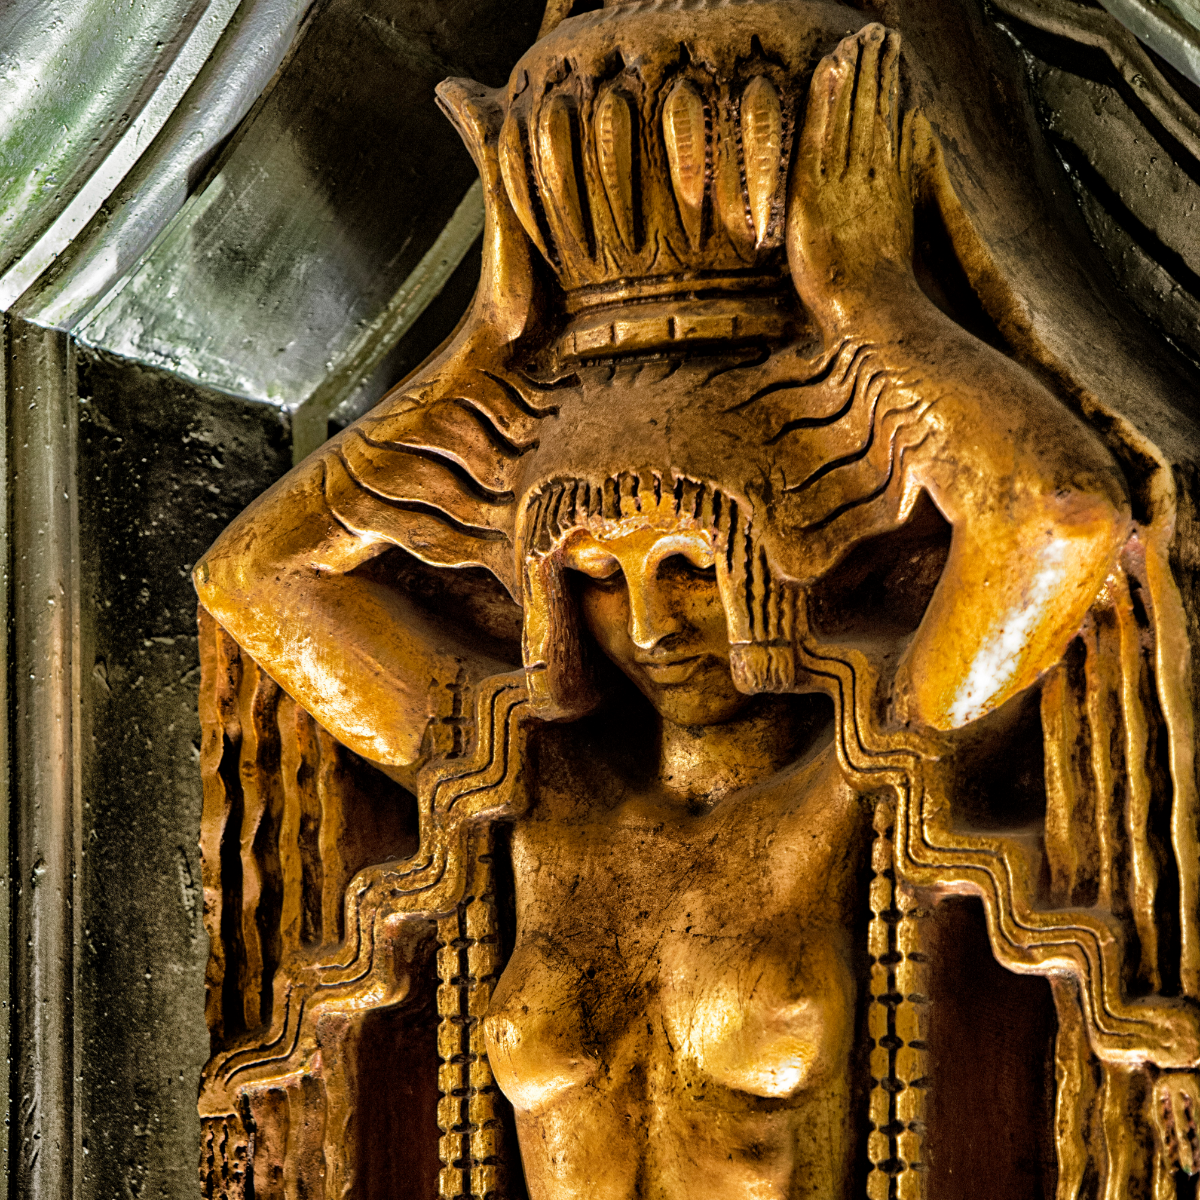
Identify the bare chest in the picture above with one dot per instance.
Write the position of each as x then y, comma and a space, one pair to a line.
706, 950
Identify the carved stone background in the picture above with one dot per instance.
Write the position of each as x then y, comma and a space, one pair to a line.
188, 312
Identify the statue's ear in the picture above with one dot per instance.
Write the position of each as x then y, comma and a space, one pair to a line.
506, 300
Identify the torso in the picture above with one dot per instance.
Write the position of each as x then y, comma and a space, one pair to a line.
677, 1018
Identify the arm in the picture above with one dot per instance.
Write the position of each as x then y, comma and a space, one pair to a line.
358, 655
422, 472
1037, 504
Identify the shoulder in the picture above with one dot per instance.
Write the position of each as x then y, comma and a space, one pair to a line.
811, 809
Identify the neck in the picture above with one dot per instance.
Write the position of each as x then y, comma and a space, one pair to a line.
701, 763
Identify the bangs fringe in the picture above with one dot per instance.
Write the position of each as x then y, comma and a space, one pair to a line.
759, 605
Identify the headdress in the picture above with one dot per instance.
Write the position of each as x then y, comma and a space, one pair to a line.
645, 149
640, 156
650, 171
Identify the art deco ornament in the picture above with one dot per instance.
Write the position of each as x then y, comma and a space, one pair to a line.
732, 598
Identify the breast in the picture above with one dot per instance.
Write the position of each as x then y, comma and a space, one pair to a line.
725, 953
773, 1026
534, 1033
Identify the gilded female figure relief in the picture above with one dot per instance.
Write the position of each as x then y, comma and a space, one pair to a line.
732, 596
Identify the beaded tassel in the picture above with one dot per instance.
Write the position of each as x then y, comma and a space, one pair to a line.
471, 1145
897, 1023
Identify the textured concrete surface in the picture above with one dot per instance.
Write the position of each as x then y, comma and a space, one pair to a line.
163, 467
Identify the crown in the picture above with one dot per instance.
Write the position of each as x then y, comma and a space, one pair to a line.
645, 149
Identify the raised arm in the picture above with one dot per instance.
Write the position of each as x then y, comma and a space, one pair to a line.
359, 655
1037, 504
427, 470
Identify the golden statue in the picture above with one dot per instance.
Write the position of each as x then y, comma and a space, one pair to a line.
600, 732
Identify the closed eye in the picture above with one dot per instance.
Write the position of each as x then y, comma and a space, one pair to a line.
593, 575
608, 583
679, 566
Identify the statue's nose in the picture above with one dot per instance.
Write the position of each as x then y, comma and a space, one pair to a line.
650, 615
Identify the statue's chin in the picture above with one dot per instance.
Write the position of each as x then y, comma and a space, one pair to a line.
707, 698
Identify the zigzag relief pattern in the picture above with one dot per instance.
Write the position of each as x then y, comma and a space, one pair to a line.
1031, 932
278, 1094
429, 882
1095, 1096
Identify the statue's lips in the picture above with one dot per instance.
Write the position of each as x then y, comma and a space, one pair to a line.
677, 670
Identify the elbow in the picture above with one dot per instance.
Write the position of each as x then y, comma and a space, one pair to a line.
1094, 508
227, 578
1099, 525
248, 568
1117, 530
243, 578
207, 590
215, 585
1023, 591
1077, 510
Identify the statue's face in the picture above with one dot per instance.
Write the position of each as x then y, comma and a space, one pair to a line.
650, 599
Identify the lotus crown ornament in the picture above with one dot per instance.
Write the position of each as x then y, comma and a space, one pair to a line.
650, 169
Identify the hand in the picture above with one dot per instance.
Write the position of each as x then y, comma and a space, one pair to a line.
1176, 1105
850, 217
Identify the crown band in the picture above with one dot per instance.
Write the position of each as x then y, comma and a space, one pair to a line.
691, 285
663, 325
